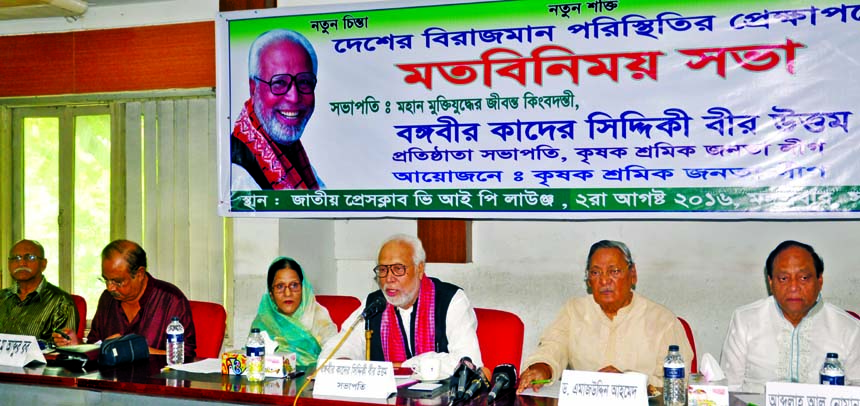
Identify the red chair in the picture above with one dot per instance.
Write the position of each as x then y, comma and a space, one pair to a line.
500, 337
694, 366
81, 305
856, 316
339, 307
210, 323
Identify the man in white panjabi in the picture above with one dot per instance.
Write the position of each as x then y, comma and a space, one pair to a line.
786, 337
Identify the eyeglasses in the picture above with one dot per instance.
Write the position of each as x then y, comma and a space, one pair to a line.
26, 257
612, 273
116, 283
293, 286
281, 84
382, 271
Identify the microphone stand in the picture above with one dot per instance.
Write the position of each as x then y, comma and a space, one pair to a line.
368, 333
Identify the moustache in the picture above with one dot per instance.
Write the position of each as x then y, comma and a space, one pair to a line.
22, 268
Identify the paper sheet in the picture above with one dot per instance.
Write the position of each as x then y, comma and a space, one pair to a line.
207, 366
547, 391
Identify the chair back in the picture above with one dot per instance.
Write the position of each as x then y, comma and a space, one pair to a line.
694, 365
500, 337
339, 307
81, 305
856, 316
210, 323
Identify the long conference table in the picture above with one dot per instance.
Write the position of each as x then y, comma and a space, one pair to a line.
145, 383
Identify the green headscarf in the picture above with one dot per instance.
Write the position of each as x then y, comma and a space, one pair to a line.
302, 333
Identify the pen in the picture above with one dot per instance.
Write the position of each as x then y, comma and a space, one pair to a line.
541, 381
60, 331
295, 374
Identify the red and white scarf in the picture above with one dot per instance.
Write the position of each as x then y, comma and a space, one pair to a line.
281, 173
425, 326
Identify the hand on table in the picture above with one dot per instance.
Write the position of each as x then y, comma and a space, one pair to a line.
539, 372
610, 368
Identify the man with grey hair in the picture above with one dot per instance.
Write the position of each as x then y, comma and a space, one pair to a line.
265, 147
613, 330
423, 317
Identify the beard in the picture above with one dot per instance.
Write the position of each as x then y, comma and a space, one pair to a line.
281, 133
405, 297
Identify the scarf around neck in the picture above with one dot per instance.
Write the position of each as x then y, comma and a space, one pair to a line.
281, 173
424, 333
300, 333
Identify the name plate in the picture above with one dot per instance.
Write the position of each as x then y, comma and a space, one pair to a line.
599, 388
355, 379
804, 394
17, 350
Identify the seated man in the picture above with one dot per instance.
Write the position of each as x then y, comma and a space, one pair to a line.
786, 337
613, 330
136, 302
423, 316
33, 306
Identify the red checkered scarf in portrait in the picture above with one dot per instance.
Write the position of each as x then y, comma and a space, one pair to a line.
425, 327
279, 171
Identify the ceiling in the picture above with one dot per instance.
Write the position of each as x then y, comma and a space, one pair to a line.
21, 9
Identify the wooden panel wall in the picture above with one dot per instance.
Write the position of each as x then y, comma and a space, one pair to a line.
114, 60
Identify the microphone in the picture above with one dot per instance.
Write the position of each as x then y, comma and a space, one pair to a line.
373, 308
464, 371
504, 379
478, 384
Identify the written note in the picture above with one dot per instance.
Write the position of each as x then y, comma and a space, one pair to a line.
593, 388
355, 379
18, 350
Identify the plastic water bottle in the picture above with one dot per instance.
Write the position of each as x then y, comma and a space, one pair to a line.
255, 349
674, 380
832, 372
175, 342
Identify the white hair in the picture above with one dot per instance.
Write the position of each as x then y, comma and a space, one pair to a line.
418, 254
274, 36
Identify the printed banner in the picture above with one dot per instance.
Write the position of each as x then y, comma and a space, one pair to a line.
541, 109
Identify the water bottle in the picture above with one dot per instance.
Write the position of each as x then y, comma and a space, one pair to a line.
255, 349
175, 342
832, 372
674, 382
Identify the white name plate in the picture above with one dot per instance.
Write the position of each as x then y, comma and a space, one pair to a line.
598, 388
17, 351
804, 394
355, 379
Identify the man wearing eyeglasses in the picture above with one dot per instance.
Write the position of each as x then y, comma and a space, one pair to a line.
265, 148
32, 305
136, 302
423, 317
613, 330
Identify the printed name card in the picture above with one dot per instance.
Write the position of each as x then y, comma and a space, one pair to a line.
804, 394
355, 379
598, 388
17, 351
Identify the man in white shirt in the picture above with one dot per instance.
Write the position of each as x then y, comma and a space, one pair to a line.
613, 330
422, 317
786, 337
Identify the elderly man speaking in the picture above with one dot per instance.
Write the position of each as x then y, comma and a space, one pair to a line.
423, 316
614, 330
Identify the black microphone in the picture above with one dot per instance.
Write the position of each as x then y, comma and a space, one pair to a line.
464, 371
373, 308
478, 384
504, 379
